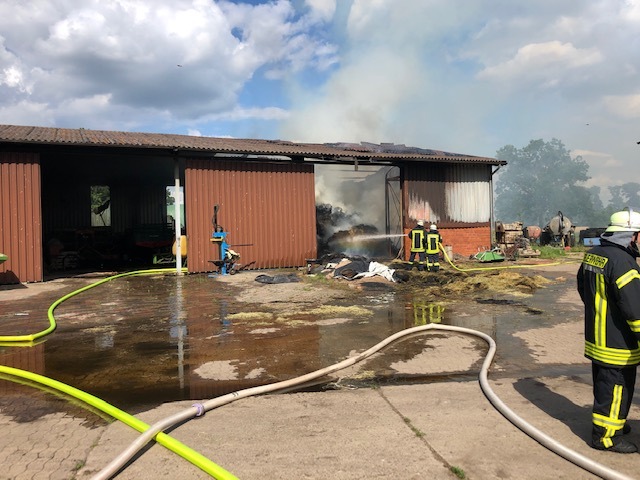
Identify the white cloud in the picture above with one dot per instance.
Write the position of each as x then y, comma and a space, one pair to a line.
599, 160
545, 62
631, 10
323, 9
238, 113
624, 106
12, 77
23, 113
184, 58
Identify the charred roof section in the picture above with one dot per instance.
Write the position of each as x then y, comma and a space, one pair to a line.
385, 153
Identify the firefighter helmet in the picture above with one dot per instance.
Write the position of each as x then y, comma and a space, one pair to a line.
421, 223
624, 221
433, 227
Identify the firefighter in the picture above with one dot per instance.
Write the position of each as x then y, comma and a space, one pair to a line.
609, 286
432, 248
418, 238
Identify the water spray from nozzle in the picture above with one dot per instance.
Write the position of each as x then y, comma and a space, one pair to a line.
358, 238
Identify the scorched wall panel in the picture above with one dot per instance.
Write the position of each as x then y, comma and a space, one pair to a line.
449, 194
457, 197
267, 209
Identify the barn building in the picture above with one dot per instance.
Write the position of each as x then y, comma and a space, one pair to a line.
100, 197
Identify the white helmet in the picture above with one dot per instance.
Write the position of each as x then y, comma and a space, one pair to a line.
421, 223
624, 221
433, 227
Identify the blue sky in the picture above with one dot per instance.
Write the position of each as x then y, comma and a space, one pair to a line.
460, 76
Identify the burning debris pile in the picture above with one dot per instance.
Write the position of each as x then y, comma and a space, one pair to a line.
339, 232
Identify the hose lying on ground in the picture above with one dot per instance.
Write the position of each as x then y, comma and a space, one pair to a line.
170, 443
163, 439
199, 409
27, 340
497, 267
155, 431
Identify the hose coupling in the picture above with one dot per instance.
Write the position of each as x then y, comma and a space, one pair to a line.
200, 408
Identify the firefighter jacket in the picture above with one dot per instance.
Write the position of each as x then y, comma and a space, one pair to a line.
609, 285
417, 239
433, 240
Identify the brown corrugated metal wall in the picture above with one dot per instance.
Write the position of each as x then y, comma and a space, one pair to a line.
20, 218
268, 205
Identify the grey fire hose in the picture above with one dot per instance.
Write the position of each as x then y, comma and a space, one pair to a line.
199, 409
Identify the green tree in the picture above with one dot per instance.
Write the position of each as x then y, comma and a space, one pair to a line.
538, 181
625, 195
601, 213
99, 197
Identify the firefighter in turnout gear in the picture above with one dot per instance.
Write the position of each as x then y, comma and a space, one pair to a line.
609, 286
433, 249
418, 239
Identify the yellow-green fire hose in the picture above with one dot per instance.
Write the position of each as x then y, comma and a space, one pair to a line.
163, 439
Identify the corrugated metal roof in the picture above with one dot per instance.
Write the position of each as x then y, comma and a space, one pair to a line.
327, 151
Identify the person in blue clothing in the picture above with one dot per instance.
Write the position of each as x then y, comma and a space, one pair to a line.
609, 286
418, 238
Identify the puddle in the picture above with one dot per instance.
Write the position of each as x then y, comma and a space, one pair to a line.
141, 341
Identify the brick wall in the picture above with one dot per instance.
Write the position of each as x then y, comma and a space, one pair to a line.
467, 241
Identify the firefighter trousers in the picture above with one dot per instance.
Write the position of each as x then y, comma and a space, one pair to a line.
612, 395
421, 259
433, 262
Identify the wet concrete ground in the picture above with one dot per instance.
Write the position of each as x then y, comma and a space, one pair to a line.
239, 335
141, 341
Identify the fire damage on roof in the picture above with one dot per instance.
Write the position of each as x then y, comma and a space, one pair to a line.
173, 144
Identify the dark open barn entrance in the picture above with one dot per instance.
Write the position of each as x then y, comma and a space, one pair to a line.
104, 212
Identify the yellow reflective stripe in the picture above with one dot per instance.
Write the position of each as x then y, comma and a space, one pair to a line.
432, 243
612, 356
634, 325
627, 277
613, 423
600, 327
417, 239
619, 353
614, 413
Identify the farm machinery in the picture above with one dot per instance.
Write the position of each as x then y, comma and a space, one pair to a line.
558, 232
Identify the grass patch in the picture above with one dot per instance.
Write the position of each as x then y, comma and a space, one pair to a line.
291, 322
329, 311
253, 316
342, 311
316, 279
364, 375
418, 433
458, 472
549, 252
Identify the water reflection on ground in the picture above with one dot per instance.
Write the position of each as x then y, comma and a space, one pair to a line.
141, 341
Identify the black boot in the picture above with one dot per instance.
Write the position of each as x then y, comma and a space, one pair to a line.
620, 445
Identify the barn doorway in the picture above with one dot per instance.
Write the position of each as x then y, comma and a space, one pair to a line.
358, 211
